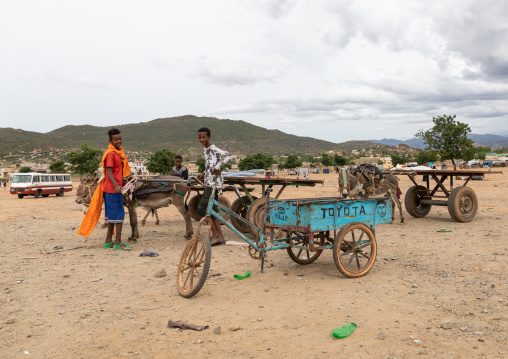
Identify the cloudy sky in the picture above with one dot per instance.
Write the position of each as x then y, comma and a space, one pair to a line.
336, 70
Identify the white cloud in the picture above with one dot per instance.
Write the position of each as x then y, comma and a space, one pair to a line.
332, 69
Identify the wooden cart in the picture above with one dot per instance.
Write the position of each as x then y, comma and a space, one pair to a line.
461, 201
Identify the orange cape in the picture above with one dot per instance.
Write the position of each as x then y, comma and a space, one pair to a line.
93, 214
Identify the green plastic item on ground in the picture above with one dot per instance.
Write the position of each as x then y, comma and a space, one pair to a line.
444, 231
239, 276
344, 331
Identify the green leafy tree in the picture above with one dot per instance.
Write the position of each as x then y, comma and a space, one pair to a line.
380, 162
448, 137
340, 160
400, 159
25, 169
255, 161
86, 161
424, 157
292, 161
57, 166
326, 160
201, 165
161, 161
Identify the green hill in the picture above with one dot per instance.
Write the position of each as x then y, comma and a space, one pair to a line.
180, 135
176, 133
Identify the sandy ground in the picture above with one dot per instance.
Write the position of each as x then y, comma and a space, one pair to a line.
429, 294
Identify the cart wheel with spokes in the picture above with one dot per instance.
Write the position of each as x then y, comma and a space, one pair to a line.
300, 255
354, 250
194, 266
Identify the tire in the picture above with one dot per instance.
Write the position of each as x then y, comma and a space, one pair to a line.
38, 193
252, 212
296, 253
198, 250
226, 203
237, 208
412, 202
344, 252
20, 196
193, 208
463, 204
256, 215
61, 192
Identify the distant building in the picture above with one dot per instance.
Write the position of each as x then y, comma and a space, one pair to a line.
138, 167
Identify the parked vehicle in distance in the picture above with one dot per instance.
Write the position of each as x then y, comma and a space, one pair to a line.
40, 184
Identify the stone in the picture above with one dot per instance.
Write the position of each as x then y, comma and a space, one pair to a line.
234, 327
267, 288
382, 336
299, 274
217, 330
481, 340
446, 325
160, 273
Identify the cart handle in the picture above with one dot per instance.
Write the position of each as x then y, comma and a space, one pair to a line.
192, 179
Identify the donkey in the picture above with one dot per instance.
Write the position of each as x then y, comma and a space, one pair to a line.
86, 190
351, 186
150, 202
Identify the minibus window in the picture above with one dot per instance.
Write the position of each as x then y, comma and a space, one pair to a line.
36, 179
52, 178
22, 179
67, 178
59, 178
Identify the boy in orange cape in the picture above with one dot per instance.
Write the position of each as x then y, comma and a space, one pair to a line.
109, 190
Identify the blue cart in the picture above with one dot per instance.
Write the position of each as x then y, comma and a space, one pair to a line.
304, 227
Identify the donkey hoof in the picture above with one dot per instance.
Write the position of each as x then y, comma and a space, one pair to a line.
156, 223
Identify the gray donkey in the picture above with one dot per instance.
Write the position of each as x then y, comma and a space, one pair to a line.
367, 181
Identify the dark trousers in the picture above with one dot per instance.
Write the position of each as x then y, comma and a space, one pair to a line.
203, 202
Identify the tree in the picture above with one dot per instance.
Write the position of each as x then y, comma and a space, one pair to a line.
340, 160
292, 161
448, 137
400, 159
424, 157
258, 160
326, 160
57, 166
25, 169
85, 161
161, 161
380, 162
201, 165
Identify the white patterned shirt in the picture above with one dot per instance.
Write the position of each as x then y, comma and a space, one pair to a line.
215, 158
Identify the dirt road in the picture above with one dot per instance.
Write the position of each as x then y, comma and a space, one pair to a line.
436, 295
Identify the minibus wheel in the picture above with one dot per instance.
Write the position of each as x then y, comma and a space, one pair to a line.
20, 196
38, 193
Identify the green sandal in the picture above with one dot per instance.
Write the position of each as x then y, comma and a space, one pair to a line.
119, 246
108, 245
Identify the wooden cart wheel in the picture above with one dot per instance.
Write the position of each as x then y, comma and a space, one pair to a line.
194, 266
299, 255
354, 250
412, 202
463, 204
193, 207
238, 208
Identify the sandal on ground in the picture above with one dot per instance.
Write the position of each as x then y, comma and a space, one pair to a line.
119, 246
108, 245
215, 241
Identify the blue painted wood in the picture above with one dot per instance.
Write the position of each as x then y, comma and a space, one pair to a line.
324, 214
